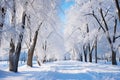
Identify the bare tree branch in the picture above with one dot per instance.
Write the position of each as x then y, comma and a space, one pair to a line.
115, 27
107, 12
106, 28
118, 8
117, 37
96, 20
101, 12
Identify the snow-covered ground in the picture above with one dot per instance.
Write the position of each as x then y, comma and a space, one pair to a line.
62, 70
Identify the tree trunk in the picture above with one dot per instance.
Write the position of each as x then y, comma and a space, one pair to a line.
14, 54
85, 53
11, 57
114, 62
32, 48
90, 53
85, 57
17, 52
96, 50
88, 47
12, 44
111, 42
81, 59
90, 57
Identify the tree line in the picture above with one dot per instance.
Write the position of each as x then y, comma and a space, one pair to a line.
29, 24
93, 26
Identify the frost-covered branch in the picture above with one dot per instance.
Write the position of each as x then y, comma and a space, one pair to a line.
93, 14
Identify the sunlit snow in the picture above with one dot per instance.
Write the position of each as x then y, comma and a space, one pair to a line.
63, 70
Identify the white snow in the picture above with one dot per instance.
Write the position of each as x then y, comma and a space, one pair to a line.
62, 70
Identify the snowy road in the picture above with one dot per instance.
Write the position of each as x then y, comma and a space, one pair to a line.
64, 70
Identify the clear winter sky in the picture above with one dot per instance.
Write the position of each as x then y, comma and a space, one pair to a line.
65, 6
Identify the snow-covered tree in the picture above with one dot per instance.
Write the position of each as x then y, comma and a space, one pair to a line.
79, 27
2, 17
15, 46
100, 17
21, 21
46, 12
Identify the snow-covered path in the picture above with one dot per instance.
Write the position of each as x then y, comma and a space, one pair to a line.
64, 70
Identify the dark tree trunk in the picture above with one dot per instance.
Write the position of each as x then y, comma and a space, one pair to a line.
85, 57
85, 53
11, 57
81, 59
14, 54
90, 57
88, 47
96, 50
90, 53
12, 44
17, 52
44, 49
114, 62
32, 48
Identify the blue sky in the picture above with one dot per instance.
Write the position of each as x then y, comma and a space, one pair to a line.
65, 6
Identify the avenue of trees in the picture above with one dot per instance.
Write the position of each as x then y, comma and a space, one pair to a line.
32, 26
93, 29
91, 32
